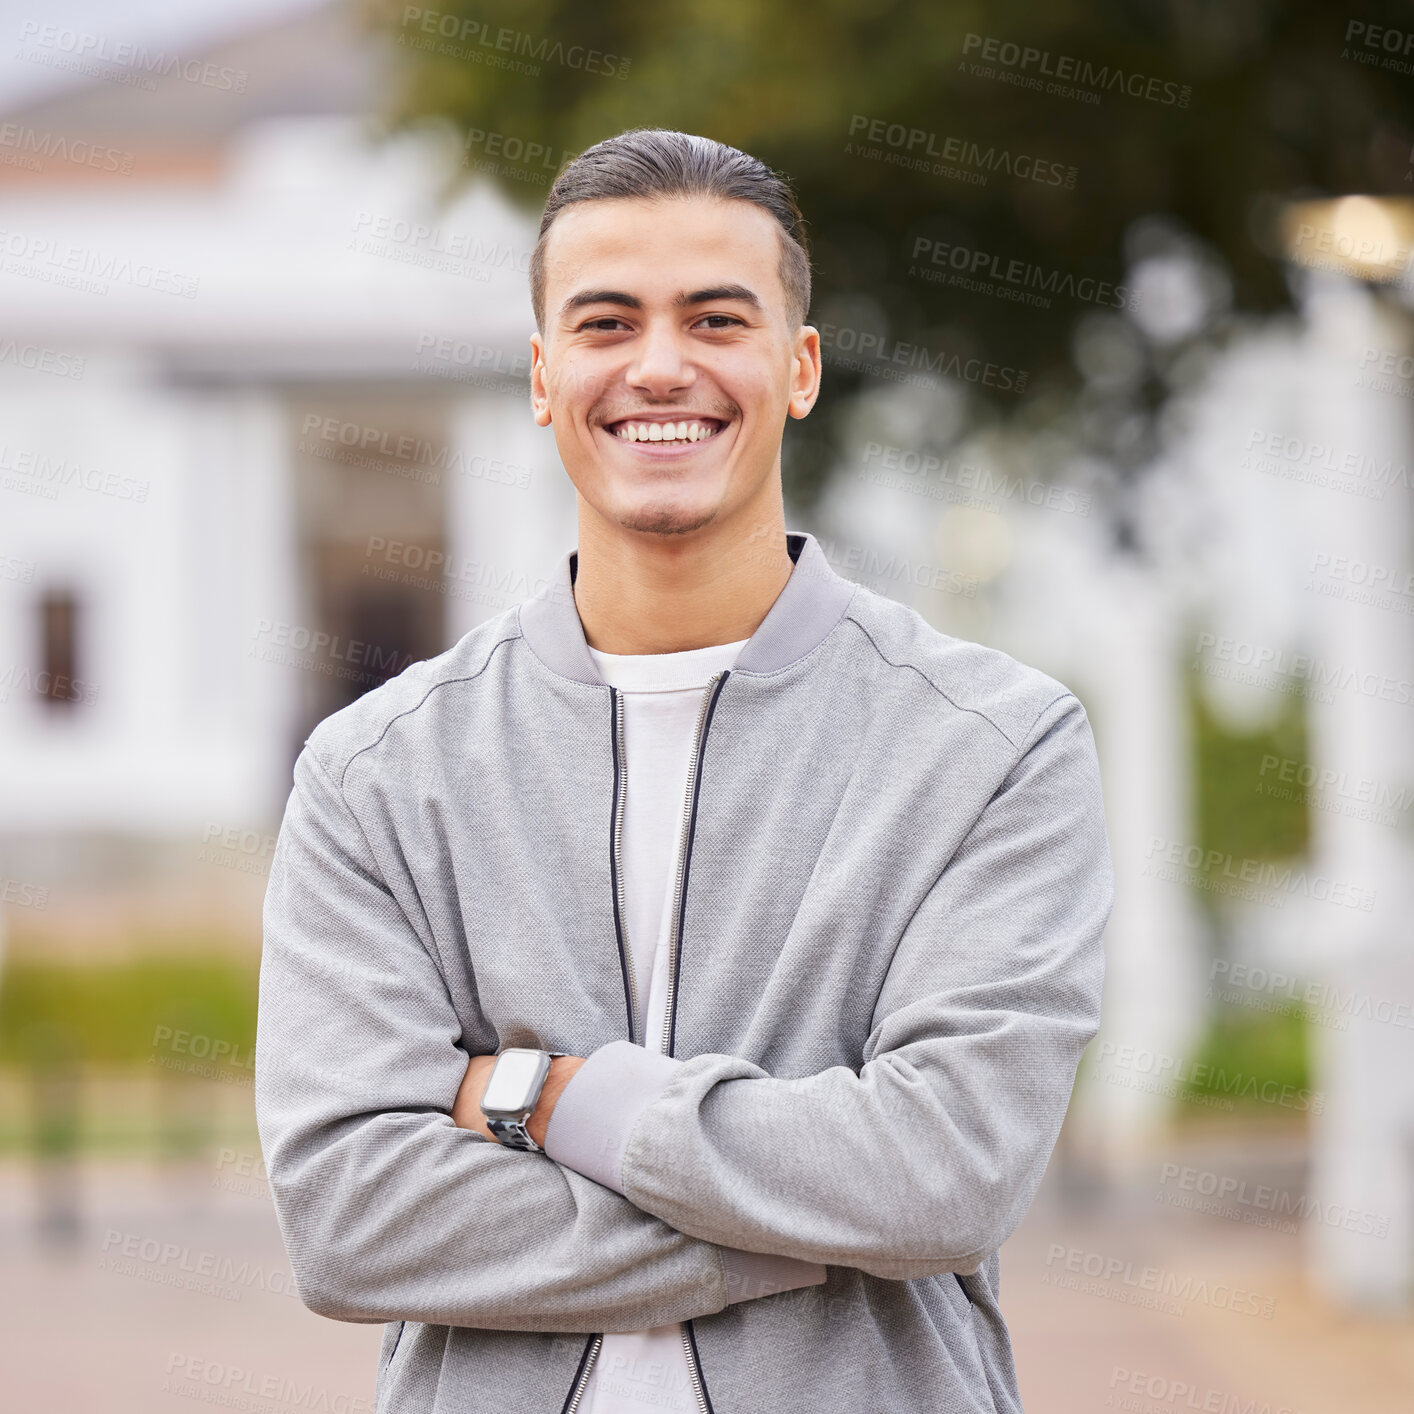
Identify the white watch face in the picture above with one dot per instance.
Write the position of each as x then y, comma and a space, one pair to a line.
512, 1081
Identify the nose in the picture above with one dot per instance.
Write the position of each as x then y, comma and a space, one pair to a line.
659, 365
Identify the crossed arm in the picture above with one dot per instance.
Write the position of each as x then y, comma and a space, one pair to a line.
920, 1162
389, 1210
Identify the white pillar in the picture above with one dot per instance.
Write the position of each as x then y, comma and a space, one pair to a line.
1363, 1141
1132, 680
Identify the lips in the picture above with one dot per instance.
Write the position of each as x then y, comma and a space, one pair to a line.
682, 430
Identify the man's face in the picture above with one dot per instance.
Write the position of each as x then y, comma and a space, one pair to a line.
660, 313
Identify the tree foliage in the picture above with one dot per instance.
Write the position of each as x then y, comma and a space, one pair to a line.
1205, 113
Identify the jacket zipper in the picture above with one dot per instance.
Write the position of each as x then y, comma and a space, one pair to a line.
586, 1362
616, 707
689, 821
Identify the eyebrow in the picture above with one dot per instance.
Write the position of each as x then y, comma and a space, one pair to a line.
628, 301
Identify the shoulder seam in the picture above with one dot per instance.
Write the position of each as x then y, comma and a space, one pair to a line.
408, 711
338, 788
975, 711
1059, 697
1029, 737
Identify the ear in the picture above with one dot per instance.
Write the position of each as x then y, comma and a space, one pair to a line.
539, 398
805, 370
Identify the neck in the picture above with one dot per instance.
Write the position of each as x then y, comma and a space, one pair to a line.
644, 593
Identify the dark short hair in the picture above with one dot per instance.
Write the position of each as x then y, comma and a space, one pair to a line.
658, 162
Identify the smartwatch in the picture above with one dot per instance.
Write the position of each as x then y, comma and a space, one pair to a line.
512, 1093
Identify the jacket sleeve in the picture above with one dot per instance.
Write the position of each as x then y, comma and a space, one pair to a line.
923, 1161
387, 1209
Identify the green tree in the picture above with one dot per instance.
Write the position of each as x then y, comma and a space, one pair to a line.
1180, 127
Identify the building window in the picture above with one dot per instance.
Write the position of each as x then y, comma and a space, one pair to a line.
58, 682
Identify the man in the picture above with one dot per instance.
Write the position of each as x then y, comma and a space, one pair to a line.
801, 899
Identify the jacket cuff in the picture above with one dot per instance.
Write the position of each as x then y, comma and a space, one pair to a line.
753, 1274
596, 1112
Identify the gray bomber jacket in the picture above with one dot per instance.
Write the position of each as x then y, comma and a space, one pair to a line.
893, 879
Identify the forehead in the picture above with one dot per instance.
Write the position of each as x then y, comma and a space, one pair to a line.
656, 248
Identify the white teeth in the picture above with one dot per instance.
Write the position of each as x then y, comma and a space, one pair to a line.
665, 431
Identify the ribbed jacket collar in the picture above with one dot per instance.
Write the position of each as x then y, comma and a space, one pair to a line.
811, 604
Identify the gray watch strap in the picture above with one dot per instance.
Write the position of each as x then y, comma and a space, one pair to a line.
513, 1134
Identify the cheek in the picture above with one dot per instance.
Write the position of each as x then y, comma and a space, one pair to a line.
577, 385
757, 386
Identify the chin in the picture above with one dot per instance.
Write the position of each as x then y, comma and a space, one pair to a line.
666, 520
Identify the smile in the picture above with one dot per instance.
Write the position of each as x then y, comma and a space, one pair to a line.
696, 429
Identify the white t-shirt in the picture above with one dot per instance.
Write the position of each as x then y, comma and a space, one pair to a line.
640, 1371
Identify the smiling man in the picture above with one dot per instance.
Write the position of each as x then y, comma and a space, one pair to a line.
672, 993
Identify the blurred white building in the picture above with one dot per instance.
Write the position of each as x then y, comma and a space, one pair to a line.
266, 439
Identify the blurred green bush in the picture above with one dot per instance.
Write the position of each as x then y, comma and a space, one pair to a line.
1260, 1061
113, 1013
153, 1054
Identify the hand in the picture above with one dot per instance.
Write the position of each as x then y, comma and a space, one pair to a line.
466, 1109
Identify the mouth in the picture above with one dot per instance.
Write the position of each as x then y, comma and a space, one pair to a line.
675, 432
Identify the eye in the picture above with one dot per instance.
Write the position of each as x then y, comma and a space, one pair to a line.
729, 318
601, 324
